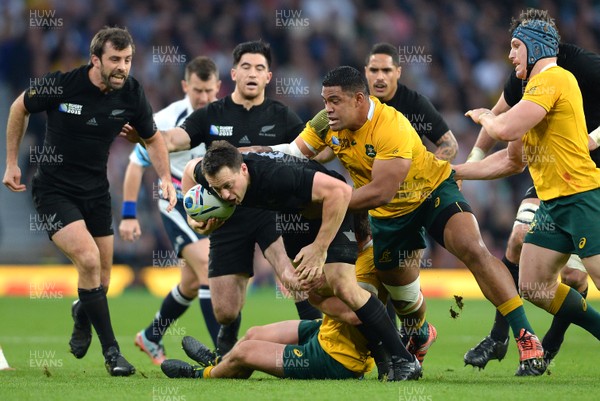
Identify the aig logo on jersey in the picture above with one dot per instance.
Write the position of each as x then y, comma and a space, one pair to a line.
221, 130
70, 108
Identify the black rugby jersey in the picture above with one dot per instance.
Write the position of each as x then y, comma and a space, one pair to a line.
278, 181
82, 123
585, 66
270, 123
424, 118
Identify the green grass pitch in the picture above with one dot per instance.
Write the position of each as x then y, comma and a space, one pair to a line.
34, 335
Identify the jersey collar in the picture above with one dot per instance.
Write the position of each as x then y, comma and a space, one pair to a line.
371, 109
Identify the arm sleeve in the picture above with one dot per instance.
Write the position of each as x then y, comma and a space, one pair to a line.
195, 127
144, 122
45, 93
315, 131
543, 93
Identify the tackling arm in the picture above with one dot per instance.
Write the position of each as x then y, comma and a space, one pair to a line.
503, 163
386, 177
484, 141
511, 125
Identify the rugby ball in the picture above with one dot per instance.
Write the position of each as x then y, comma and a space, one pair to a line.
201, 205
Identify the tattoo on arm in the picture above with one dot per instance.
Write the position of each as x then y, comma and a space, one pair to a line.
447, 147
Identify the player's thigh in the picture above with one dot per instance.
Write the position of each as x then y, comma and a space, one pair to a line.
285, 332
76, 242
196, 258
232, 245
539, 267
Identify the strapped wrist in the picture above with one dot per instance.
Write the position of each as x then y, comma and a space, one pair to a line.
129, 210
476, 155
595, 134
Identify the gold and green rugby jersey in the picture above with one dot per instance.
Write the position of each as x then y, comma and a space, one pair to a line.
344, 343
386, 134
557, 147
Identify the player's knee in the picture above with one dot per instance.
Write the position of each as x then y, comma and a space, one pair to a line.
253, 333
189, 289
349, 294
574, 278
475, 255
225, 314
88, 261
406, 298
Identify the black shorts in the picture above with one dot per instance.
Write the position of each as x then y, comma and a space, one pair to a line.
232, 245
298, 232
530, 193
56, 210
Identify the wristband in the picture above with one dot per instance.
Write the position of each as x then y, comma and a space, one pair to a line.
595, 134
476, 155
128, 210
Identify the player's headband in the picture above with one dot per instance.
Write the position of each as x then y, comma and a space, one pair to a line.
540, 38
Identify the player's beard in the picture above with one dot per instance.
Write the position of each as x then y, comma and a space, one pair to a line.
112, 85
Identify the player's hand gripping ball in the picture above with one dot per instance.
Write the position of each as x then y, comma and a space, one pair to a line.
201, 205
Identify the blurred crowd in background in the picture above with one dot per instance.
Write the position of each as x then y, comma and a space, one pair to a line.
453, 51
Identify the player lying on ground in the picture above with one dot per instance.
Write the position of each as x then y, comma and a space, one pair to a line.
298, 349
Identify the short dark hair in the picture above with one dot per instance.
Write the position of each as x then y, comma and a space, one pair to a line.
221, 154
203, 67
385, 48
254, 47
119, 37
532, 14
348, 78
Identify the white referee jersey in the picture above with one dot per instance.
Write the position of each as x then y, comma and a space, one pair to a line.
171, 116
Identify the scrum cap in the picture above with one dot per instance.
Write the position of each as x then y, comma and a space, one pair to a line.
540, 38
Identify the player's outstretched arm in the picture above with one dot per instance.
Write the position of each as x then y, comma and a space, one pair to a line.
511, 125
176, 139
484, 141
500, 164
129, 228
157, 150
18, 119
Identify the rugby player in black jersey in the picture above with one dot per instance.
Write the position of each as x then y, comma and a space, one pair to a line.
276, 181
246, 117
585, 66
86, 109
383, 72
